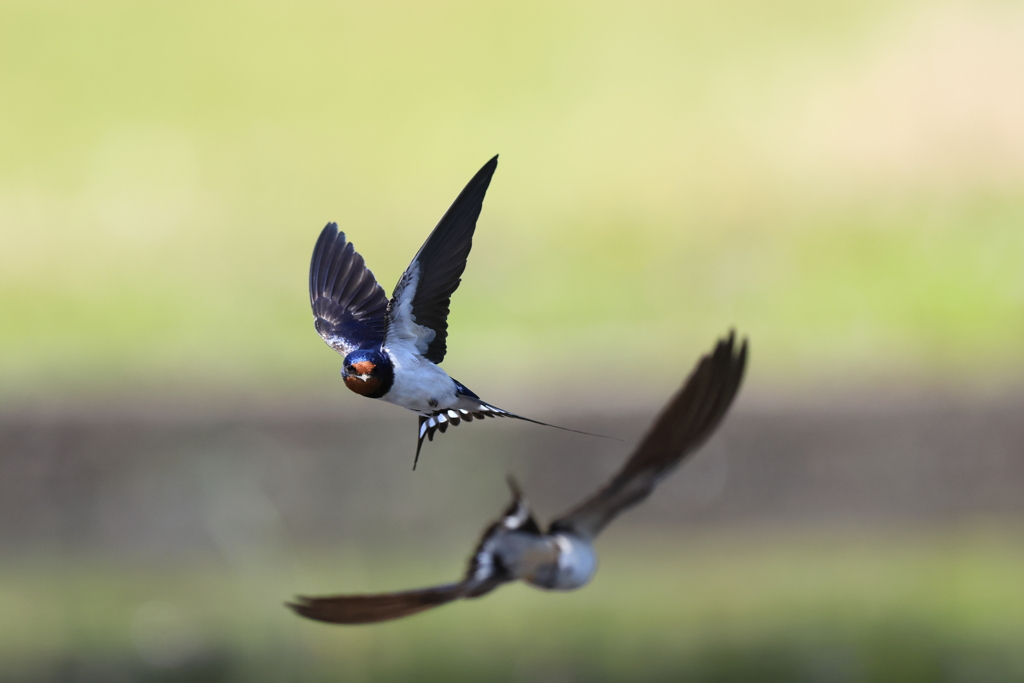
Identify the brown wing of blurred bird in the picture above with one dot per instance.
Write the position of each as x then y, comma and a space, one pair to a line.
563, 558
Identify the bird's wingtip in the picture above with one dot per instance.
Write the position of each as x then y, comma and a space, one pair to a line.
298, 603
488, 168
513, 486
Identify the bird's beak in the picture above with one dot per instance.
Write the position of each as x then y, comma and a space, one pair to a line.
362, 370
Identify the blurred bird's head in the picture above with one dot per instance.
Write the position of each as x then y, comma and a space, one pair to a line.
368, 373
518, 516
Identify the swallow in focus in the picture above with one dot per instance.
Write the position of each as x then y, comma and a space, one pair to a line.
392, 348
563, 558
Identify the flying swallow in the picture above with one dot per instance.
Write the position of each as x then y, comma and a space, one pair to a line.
392, 348
563, 558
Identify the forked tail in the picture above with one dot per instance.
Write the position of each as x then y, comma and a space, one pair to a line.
441, 420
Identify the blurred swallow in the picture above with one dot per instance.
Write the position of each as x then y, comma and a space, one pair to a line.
392, 349
563, 558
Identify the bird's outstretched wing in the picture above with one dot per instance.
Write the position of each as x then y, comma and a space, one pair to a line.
684, 424
348, 305
483, 575
367, 609
418, 312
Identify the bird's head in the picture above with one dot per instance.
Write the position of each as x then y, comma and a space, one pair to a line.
367, 372
518, 516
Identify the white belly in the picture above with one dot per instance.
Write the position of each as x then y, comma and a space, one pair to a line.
576, 562
417, 383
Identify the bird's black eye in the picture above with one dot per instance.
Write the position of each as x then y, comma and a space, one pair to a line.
351, 369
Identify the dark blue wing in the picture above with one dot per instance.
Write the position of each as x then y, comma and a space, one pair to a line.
418, 312
348, 304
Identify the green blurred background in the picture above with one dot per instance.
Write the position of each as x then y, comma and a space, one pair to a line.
843, 182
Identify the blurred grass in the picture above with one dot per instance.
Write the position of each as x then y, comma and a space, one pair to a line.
913, 604
841, 181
